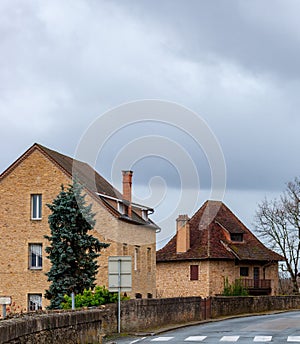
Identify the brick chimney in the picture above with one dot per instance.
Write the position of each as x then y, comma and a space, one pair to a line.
127, 182
183, 234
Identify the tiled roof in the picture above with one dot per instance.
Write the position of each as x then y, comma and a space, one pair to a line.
88, 177
84, 172
210, 230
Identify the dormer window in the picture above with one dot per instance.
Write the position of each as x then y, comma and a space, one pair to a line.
125, 207
145, 214
238, 237
121, 207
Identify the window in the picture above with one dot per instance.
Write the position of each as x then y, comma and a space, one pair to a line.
194, 272
149, 260
34, 302
36, 207
236, 237
145, 214
35, 256
244, 271
121, 207
125, 209
136, 258
125, 250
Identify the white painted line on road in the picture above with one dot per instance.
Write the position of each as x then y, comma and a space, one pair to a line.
293, 339
137, 340
195, 338
262, 339
161, 339
229, 339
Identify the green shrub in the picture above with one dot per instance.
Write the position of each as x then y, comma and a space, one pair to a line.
89, 298
234, 289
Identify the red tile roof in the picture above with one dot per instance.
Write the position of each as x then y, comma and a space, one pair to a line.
210, 230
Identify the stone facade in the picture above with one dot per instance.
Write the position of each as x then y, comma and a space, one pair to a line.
210, 248
174, 280
35, 174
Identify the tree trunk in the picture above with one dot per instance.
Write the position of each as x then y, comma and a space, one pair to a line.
295, 282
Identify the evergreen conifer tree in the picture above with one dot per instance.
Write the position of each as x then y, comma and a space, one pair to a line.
73, 252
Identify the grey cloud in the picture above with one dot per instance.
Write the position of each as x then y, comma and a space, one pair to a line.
262, 37
233, 62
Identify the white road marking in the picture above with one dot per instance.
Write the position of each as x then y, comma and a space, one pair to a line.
262, 339
137, 340
195, 338
223, 339
229, 338
161, 339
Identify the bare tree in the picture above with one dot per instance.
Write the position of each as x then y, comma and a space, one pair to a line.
278, 224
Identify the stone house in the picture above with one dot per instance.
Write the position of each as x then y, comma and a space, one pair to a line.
212, 246
34, 180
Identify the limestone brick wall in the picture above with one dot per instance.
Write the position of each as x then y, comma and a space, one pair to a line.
222, 269
173, 279
137, 241
271, 272
37, 175
219, 270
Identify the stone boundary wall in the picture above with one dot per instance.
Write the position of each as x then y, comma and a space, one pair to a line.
84, 326
140, 315
226, 305
88, 326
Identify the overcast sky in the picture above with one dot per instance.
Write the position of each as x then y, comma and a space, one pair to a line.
234, 63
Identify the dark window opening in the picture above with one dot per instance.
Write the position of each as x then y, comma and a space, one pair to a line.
125, 250
125, 209
138, 295
194, 272
236, 237
244, 271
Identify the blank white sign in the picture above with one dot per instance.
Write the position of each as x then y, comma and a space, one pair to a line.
124, 264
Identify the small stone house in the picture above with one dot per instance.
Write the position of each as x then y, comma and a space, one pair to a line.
34, 180
212, 246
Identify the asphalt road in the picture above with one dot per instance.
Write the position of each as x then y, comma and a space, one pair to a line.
276, 328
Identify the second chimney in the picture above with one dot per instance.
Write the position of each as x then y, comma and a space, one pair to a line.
183, 234
127, 183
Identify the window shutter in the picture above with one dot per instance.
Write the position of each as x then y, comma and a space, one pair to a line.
194, 272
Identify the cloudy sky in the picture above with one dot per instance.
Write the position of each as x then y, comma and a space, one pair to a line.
234, 63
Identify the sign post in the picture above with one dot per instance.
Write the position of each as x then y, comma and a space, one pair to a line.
119, 278
119, 295
4, 300
73, 299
